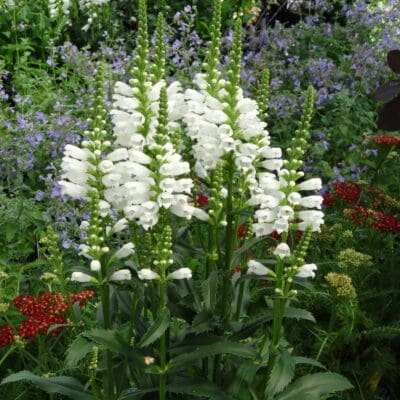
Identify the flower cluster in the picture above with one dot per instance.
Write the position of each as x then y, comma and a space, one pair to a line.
349, 192
369, 218
387, 140
342, 285
42, 311
351, 259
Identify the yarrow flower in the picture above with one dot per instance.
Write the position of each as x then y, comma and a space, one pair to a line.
369, 218
387, 140
42, 312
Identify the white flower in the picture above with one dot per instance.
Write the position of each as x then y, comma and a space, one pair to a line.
121, 275
123, 88
256, 268
95, 266
84, 225
294, 198
311, 184
125, 251
285, 212
282, 250
73, 190
281, 225
182, 273
104, 208
312, 202
120, 225
118, 155
106, 166
307, 271
76, 152
146, 274
311, 215
81, 277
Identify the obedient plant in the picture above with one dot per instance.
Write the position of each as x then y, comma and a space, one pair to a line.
192, 178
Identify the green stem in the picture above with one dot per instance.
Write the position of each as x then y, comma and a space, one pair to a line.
9, 351
226, 303
163, 343
240, 301
105, 301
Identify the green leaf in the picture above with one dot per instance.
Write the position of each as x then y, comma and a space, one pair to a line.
281, 375
309, 361
110, 339
298, 313
78, 350
311, 387
209, 289
224, 347
156, 330
64, 385
198, 388
247, 246
185, 386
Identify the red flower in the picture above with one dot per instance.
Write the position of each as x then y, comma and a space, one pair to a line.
202, 199
6, 335
387, 140
237, 269
329, 199
349, 191
241, 232
82, 296
373, 219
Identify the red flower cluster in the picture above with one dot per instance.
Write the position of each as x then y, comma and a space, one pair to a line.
349, 192
6, 335
387, 140
373, 219
202, 199
43, 312
241, 232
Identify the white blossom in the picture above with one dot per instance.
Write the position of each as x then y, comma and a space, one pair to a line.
256, 268
307, 271
81, 277
121, 275
182, 273
147, 274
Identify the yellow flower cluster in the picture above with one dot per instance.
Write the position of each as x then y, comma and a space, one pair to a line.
351, 259
342, 284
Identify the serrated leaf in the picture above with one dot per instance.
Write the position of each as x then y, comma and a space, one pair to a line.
78, 350
209, 290
198, 388
159, 326
281, 375
185, 386
64, 385
200, 352
110, 339
309, 361
204, 321
311, 387
298, 313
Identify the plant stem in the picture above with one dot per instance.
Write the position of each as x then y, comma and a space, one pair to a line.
105, 301
229, 238
163, 342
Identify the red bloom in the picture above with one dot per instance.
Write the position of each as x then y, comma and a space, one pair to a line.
237, 269
329, 199
41, 323
241, 232
202, 199
349, 191
373, 219
6, 335
82, 296
387, 140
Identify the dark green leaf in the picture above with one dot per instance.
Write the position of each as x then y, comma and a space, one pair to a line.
64, 385
225, 347
311, 387
156, 330
298, 313
281, 375
78, 349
